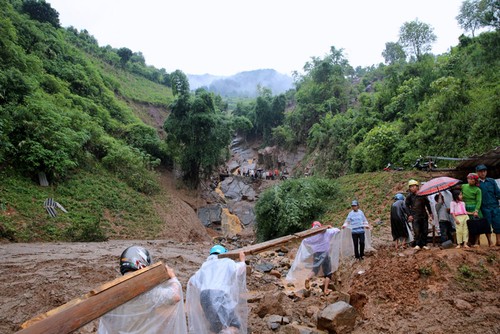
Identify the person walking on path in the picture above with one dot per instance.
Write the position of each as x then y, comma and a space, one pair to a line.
489, 205
216, 295
399, 222
319, 245
357, 222
419, 208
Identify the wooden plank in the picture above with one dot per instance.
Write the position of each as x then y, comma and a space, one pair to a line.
80, 311
263, 246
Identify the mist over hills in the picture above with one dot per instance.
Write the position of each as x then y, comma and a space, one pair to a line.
243, 84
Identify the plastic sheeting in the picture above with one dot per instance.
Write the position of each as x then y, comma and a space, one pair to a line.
159, 310
329, 242
216, 297
347, 245
341, 247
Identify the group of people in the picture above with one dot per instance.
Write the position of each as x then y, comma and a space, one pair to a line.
215, 299
473, 210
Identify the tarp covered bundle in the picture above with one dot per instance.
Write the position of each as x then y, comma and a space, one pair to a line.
216, 297
337, 243
160, 310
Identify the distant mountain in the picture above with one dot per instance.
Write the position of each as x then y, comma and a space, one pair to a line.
243, 84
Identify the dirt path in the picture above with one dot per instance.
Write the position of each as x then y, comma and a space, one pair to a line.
437, 291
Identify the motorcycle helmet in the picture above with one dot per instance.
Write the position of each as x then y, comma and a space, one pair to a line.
217, 249
134, 258
399, 196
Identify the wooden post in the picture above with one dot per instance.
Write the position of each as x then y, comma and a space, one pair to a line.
258, 248
80, 311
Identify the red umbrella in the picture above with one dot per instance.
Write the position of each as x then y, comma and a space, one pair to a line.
436, 185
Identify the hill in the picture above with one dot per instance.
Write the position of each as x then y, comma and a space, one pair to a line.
243, 84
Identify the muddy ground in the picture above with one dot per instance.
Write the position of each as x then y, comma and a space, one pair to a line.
435, 291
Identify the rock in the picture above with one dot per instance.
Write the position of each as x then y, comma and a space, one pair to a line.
337, 296
271, 304
245, 211
264, 267
298, 329
210, 214
312, 311
275, 273
337, 318
230, 223
462, 304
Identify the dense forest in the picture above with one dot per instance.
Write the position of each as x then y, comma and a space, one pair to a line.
67, 104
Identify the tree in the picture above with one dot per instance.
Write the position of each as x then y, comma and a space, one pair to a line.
180, 84
490, 13
125, 55
393, 53
198, 133
470, 16
41, 11
417, 37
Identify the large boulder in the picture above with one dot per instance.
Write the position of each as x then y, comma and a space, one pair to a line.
271, 304
230, 223
235, 188
337, 318
245, 211
210, 214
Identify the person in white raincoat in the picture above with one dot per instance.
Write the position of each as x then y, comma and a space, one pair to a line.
216, 295
318, 255
159, 310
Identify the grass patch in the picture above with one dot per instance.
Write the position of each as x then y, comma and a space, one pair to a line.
425, 271
99, 207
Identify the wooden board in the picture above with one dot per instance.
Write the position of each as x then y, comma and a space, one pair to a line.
80, 311
263, 246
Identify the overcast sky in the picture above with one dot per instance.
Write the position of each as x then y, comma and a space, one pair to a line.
224, 37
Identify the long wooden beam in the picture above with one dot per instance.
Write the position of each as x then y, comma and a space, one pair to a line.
80, 311
261, 247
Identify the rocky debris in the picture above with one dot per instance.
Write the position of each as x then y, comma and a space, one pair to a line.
337, 318
275, 321
235, 188
295, 328
271, 304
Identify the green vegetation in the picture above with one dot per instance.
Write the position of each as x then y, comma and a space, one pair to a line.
98, 204
425, 271
292, 205
197, 131
76, 111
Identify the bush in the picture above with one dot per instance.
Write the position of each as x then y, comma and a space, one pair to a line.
86, 230
131, 165
290, 207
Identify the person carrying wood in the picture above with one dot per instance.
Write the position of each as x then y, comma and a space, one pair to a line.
159, 310
216, 295
318, 255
